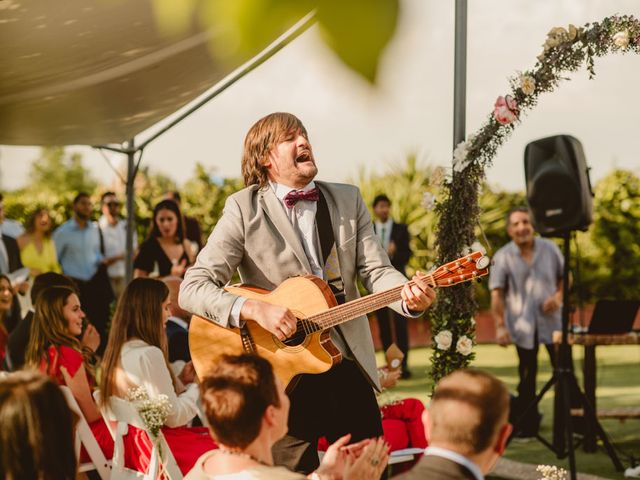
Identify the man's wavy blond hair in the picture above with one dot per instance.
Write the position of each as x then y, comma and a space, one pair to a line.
261, 138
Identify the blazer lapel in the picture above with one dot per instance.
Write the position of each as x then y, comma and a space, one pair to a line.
333, 211
275, 211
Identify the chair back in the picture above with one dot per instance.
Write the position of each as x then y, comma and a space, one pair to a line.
85, 437
125, 415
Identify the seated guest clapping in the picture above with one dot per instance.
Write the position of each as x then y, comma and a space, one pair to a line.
55, 350
36, 438
136, 356
467, 427
247, 410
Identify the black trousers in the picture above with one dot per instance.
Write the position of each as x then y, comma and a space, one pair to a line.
390, 322
330, 404
528, 371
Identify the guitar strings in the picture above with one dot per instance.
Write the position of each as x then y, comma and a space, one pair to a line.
326, 319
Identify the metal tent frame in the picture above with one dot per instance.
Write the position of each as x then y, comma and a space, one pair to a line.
131, 147
135, 146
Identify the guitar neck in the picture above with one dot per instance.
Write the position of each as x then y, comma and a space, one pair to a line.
354, 309
464, 269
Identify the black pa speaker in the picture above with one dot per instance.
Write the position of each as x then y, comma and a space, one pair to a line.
558, 187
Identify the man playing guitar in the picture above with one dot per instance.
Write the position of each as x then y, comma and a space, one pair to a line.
285, 224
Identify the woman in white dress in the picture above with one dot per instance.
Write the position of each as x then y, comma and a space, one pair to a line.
136, 356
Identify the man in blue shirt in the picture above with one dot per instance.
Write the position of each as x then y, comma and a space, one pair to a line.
80, 253
526, 296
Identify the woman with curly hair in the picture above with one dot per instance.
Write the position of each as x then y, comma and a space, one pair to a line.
37, 249
55, 350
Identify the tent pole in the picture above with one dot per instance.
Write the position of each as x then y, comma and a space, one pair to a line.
131, 175
460, 73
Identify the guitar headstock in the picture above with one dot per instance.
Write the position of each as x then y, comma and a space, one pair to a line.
464, 269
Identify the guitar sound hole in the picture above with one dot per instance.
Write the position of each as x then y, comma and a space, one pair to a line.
297, 338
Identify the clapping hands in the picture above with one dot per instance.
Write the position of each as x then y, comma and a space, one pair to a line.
364, 460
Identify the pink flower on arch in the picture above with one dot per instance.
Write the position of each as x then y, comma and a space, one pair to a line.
506, 110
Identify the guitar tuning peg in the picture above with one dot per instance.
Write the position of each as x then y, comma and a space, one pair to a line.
483, 262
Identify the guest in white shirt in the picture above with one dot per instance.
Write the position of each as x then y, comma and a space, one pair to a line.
136, 356
114, 237
466, 426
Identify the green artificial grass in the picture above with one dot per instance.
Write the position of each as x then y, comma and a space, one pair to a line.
618, 380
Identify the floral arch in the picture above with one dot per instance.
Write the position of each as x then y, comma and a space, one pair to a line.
565, 50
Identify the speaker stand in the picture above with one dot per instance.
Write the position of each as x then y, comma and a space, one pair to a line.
565, 381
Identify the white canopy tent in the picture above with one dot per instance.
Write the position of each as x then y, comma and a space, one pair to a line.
98, 72
95, 71
92, 72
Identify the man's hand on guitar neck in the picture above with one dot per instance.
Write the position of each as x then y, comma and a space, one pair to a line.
273, 318
417, 294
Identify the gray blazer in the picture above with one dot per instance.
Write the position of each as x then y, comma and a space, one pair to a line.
437, 468
255, 237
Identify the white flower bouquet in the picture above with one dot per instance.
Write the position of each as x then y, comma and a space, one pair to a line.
551, 472
153, 411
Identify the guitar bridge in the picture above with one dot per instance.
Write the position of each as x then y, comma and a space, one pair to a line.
248, 345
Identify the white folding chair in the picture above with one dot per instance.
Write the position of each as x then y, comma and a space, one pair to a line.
84, 437
125, 414
108, 419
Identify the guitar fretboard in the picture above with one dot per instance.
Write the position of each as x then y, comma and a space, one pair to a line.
461, 270
350, 310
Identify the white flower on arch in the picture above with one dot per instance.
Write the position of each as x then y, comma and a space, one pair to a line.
464, 346
443, 340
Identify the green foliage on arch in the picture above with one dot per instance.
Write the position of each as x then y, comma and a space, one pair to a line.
565, 50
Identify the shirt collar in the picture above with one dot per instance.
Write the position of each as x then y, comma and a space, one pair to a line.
386, 224
180, 322
516, 248
281, 191
456, 457
76, 225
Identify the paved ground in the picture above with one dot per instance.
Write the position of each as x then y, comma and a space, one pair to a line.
509, 469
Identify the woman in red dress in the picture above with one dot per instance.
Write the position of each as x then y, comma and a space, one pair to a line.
55, 350
136, 356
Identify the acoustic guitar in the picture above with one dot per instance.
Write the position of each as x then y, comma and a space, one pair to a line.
309, 349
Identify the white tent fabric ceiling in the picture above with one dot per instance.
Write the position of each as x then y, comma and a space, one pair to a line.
94, 71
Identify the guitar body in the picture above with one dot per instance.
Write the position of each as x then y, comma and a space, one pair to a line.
313, 353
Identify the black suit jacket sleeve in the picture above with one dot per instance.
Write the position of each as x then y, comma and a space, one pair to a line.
18, 341
400, 236
177, 342
13, 252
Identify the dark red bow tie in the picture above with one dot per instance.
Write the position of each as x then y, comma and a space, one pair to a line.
294, 196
